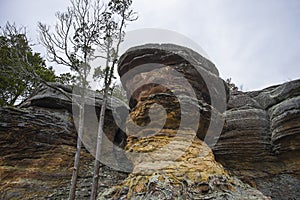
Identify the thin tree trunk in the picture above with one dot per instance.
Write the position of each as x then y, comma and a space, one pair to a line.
77, 154
100, 128
79, 137
107, 82
99, 146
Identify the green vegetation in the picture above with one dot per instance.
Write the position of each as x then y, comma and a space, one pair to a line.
21, 70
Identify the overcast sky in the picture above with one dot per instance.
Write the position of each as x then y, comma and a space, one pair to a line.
255, 42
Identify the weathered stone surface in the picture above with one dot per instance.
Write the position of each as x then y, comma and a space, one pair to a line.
261, 140
37, 146
195, 175
200, 73
169, 159
259, 144
66, 98
59, 96
179, 71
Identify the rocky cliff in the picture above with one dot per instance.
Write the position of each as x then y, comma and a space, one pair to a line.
173, 104
257, 151
260, 142
38, 143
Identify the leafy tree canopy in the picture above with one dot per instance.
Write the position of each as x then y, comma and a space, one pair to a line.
67, 79
21, 70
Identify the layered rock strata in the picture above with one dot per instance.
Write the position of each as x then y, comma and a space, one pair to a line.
261, 140
37, 146
259, 143
166, 125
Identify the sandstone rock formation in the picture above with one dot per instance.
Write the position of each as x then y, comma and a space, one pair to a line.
259, 144
57, 96
37, 147
170, 160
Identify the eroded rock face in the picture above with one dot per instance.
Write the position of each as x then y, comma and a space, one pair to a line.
259, 144
165, 129
36, 156
178, 71
261, 140
176, 66
37, 146
66, 98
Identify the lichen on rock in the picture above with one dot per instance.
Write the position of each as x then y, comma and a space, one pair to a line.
166, 127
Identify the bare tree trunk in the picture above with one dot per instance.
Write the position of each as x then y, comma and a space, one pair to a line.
100, 127
107, 83
79, 137
77, 154
99, 146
